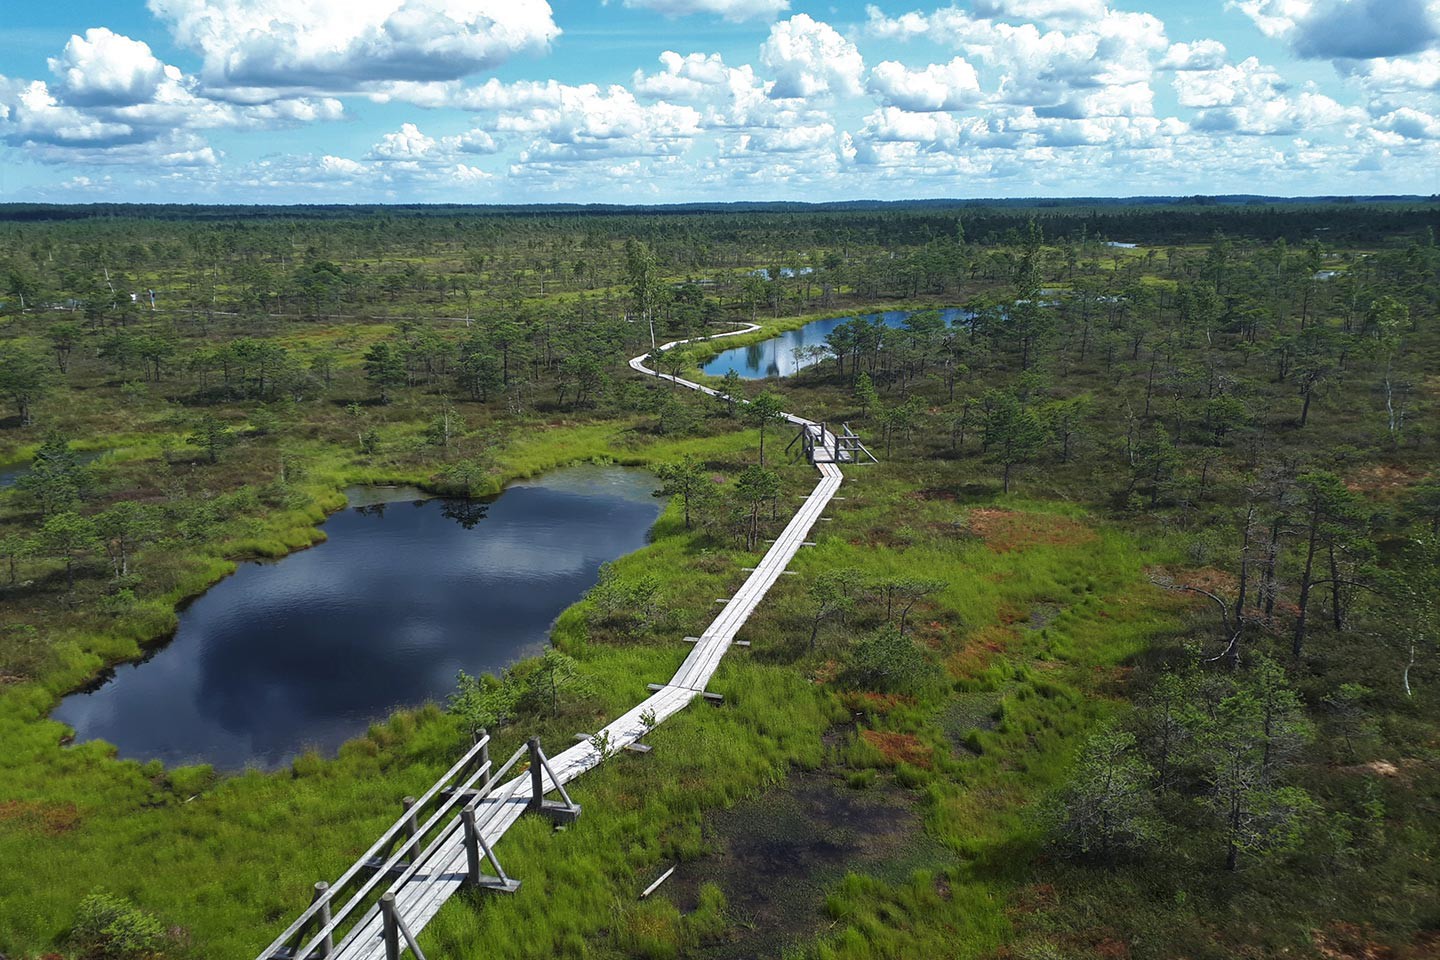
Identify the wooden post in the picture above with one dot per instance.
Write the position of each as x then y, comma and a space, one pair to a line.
412, 826
537, 776
484, 759
322, 894
472, 843
392, 927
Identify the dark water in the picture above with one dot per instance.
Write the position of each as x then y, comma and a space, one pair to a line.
776, 357
12, 472
306, 651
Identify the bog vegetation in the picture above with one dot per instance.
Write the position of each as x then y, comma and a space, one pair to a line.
1138, 613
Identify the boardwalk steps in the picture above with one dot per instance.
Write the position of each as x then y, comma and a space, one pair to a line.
445, 839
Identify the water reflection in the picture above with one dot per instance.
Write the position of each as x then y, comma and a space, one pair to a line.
10, 473
794, 350
310, 649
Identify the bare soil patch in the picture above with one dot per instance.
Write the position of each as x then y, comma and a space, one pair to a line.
777, 854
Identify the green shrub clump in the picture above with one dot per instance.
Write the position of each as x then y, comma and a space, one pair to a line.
112, 928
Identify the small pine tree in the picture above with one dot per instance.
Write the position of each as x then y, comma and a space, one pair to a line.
865, 394
1106, 808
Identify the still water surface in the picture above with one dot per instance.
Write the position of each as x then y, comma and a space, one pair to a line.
307, 650
776, 357
10, 473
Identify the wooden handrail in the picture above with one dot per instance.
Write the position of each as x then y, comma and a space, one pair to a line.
386, 842
395, 858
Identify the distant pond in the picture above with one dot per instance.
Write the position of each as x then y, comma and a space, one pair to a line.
306, 651
10, 473
776, 357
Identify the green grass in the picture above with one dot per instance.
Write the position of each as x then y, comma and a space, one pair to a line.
642, 812
230, 859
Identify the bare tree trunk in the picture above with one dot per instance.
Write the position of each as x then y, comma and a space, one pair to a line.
1244, 565
1297, 646
1337, 599
1272, 558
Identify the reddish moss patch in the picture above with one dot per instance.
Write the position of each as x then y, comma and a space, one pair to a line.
980, 650
1112, 681
1380, 478
1349, 941
49, 819
1010, 613
899, 747
1007, 530
1389, 769
1035, 897
1111, 948
827, 671
1222, 583
1204, 578
874, 703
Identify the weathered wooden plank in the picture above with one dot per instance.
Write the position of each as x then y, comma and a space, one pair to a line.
656, 885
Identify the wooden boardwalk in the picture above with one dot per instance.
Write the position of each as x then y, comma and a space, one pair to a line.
376, 908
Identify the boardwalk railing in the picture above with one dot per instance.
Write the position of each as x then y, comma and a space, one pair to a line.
445, 839
408, 848
820, 444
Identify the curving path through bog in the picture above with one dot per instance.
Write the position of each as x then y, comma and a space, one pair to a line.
423, 883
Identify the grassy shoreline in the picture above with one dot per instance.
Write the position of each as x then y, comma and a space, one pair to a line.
777, 715
705, 350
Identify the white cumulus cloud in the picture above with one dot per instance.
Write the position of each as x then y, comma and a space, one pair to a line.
1064, 71
728, 98
1201, 55
1058, 11
262, 46
111, 93
1410, 124
104, 67
729, 9
1229, 84
1347, 29
406, 144
950, 86
1400, 74
809, 57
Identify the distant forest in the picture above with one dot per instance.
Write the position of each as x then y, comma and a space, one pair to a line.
1150, 220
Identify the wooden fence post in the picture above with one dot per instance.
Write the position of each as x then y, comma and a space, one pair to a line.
472, 844
484, 759
322, 894
412, 826
537, 776
392, 927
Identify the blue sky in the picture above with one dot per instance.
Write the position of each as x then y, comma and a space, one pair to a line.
641, 101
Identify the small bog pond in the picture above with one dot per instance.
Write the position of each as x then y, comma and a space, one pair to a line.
10, 473
777, 356
308, 650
